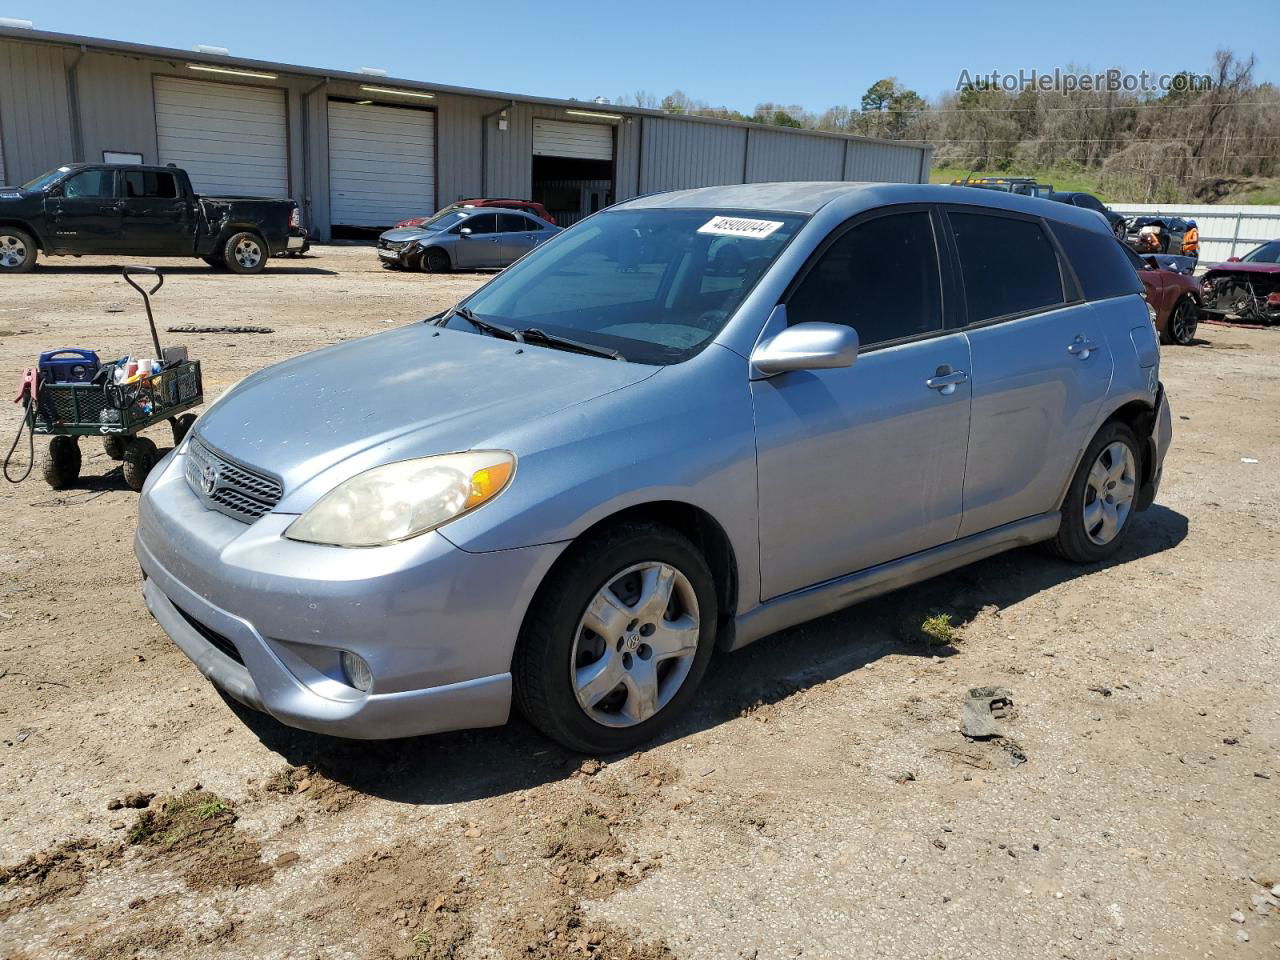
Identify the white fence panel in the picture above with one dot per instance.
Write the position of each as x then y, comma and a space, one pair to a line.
1226, 230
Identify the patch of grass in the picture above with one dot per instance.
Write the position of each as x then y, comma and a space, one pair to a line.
938, 630
179, 818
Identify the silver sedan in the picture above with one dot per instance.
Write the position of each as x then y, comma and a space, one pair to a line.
479, 238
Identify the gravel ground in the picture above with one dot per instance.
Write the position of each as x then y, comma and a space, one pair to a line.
820, 801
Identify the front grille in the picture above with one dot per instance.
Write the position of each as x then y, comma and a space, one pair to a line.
220, 643
230, 487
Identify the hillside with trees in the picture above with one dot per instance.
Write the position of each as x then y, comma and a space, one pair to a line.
1205, 142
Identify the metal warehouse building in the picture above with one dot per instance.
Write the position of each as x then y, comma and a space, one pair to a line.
359, 150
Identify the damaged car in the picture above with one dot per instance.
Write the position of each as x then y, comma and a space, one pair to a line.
1245, 288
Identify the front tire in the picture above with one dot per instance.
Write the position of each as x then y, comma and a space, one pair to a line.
17, 251
245, 253
434, 261
1098, 510
617, 639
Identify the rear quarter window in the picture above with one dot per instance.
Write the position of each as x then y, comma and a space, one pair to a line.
1009, 265
1099, 262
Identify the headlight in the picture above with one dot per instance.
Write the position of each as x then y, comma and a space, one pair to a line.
402, 500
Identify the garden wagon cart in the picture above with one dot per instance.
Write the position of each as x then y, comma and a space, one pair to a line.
117, 412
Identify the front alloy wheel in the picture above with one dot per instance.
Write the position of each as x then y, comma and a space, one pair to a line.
635, 644
617, 638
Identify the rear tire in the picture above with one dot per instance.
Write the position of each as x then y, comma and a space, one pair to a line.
245, 253
434, 261
61, 464
139, 457
655, 658
1098, 510
17, 251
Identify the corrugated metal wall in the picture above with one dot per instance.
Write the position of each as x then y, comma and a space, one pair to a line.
36, 111
40, 81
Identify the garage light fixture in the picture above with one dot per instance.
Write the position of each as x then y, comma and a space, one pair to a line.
235, 73
399, 93
592, 113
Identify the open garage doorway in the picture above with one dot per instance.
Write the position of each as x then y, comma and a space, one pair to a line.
573, 168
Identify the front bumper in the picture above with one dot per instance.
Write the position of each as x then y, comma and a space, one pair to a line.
264, 617
404, 256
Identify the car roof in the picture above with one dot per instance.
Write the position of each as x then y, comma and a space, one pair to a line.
854, 197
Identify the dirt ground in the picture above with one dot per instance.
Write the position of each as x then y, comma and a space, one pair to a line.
819, 802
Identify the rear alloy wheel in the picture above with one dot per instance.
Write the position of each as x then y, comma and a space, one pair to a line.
1098, 509
434, 261
1181, 328
17, 251
617, 640
245, 253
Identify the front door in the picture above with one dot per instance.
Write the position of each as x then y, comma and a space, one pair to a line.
84, 213
1041, 367
863, 465
478, 242
155, 217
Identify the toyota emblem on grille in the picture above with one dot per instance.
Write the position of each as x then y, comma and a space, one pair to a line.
208, 478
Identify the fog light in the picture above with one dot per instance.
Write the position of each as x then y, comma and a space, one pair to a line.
357, 671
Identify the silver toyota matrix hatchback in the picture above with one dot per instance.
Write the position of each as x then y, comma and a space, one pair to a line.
683, 424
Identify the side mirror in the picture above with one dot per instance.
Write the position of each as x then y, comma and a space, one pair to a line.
806, 346
464, 232
1152, 263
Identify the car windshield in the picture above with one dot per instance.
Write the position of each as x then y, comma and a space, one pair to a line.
655, 285
42, 181
445, 219
1267, 253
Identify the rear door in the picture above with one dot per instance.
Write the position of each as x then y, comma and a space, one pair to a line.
862, 465
84, 212
1041, 366
156, 219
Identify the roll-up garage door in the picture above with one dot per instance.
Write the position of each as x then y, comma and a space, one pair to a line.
381, 164
233, 140
585, 141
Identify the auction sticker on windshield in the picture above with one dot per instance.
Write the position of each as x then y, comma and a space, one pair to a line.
739, 227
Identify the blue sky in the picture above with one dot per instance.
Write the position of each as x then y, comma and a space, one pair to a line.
813, 52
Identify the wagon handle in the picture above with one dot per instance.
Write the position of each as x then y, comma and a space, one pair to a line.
128, 273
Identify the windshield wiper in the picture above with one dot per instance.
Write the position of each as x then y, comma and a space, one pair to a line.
536, 335
488, 326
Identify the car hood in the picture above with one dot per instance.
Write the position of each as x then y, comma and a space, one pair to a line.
1244, 268
322, 417
402, 234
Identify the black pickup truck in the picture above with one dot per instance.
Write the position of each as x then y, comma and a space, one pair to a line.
104, 208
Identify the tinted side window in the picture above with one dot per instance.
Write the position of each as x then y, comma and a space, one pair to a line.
90, 183
483, 223
881, 278
139, 184
1101, 268
1089, 202
1009, 265
512, 223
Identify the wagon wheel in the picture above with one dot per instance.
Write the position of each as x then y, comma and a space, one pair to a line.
114, 445
139, 458
61, 464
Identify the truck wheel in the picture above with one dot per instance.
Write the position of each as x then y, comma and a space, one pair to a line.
139, 458
245, 253
61, 466
434, 261
17, 251
114, 445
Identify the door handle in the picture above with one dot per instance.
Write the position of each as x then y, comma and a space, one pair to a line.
946, 380
1081, 348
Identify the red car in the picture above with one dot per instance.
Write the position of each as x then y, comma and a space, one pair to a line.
528, 206
1173, 299
1246, 287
